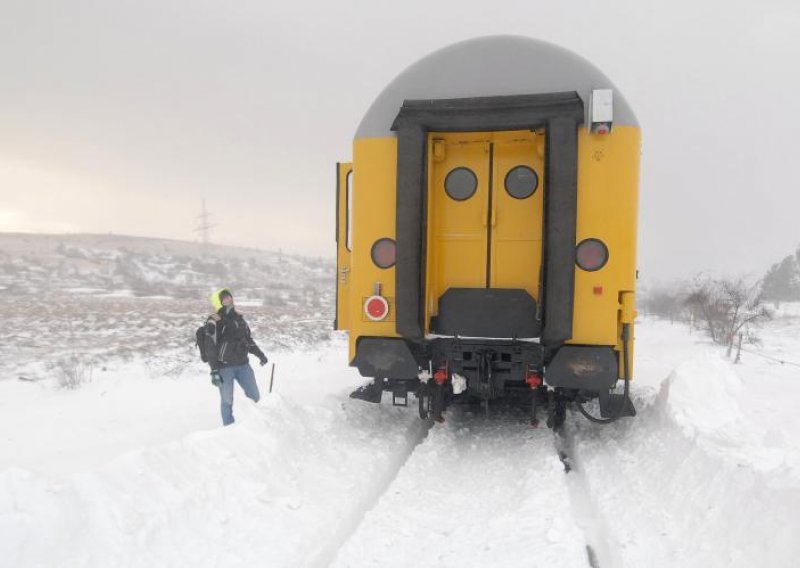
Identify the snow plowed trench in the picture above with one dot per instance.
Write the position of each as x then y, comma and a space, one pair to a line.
600, 549
477, 491
352, 519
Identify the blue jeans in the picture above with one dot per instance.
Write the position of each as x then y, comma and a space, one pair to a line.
243, 374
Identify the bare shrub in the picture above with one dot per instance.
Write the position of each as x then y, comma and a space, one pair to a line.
782, 281
666, 302
73, 371
728, 308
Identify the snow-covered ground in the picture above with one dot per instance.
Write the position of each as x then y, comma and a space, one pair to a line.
708, 474
477, 492
133, 469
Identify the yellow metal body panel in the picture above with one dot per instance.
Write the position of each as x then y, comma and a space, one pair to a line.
372, 218
608, 192
608, 181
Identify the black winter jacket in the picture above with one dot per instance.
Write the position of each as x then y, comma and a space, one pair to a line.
228, 340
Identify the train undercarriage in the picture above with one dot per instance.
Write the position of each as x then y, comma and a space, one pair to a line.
477, 371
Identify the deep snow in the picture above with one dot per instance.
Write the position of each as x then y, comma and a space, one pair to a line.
709, 472
133, 469
183, 491
478, 492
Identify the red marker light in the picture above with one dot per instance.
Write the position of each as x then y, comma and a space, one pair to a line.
533, 378
376, 308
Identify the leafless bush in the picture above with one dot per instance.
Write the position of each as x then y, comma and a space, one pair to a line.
73, 371
727, 308
667, 302
782, 281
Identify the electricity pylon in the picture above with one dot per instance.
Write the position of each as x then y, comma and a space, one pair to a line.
204, 226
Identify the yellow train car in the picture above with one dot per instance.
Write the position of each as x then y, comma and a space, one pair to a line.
486, 231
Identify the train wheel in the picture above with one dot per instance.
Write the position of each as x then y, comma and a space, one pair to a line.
437, 403
557, 414
424, 400
534, 401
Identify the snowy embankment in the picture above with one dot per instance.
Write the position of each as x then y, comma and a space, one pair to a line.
282, 487
709, 472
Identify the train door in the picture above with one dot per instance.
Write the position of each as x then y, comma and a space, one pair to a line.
484, 212
517, 211
458, 201
344, 239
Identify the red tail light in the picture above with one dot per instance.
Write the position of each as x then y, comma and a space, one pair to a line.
376, 308
384, 253
591, 254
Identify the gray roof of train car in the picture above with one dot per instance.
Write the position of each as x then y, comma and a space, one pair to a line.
490, 66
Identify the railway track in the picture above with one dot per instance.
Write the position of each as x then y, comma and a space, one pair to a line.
600, 548
480, 491
351, 520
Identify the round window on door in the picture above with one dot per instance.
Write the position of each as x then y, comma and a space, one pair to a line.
521, 182
461, 184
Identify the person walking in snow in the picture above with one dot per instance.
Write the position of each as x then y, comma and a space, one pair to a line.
228, 343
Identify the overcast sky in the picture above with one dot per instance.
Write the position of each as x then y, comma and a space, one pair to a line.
121, 116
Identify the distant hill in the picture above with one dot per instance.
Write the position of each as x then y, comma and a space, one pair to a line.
85, 301
139, 266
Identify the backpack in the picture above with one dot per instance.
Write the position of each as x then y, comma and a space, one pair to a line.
200, 340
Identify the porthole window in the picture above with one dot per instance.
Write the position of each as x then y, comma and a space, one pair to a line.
384, 253
521, 182
461, 184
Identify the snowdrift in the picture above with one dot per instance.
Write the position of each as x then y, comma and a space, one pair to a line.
281, 487
691, 482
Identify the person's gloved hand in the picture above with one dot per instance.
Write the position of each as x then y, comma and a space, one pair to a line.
216, 378
264, 360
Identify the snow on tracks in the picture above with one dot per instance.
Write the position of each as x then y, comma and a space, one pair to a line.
687, 483
477, 492
281, 487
